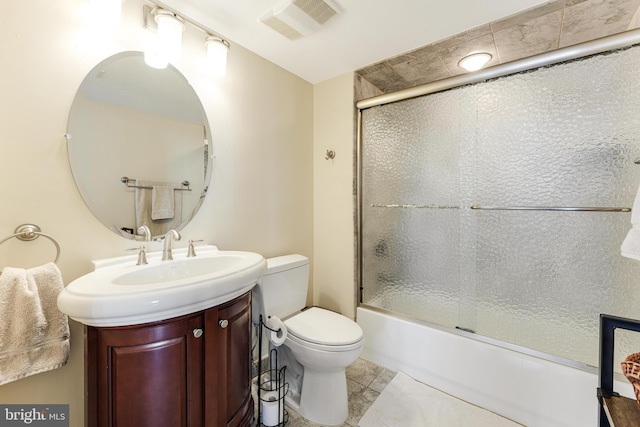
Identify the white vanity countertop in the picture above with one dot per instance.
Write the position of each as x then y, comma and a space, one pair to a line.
119, 293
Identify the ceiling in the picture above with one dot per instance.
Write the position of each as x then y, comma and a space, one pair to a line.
363, 33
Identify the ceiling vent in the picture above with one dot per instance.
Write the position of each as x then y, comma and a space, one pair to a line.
298, 18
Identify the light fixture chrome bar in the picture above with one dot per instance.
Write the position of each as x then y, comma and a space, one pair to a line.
186, 17
550, 208
616, 41
148, 21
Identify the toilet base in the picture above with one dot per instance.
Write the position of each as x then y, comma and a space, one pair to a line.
328, 407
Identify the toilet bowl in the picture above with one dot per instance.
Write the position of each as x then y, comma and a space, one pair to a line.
319, 346
325, 344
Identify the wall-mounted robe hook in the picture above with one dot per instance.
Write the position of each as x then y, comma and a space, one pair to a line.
330, 155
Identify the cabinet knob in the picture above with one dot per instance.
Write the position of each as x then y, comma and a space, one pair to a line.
223, 323
197, 332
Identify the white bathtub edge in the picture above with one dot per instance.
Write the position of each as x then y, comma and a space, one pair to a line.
524, 388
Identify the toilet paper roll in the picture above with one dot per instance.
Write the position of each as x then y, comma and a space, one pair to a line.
278, 332
272, 411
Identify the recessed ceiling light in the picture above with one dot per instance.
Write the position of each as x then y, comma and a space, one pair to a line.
475, 61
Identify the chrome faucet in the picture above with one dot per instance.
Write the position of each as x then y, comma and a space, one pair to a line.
168, 239
144, 231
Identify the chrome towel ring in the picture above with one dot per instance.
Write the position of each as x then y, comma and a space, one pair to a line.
29, 232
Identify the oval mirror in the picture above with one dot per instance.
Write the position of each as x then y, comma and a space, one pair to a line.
138, 142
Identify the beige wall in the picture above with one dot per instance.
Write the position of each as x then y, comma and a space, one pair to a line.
333, 189
261, 121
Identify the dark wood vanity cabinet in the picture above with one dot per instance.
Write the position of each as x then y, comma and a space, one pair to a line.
190, 371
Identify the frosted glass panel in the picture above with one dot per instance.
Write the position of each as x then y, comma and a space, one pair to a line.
412, 155
411, 158
560, 136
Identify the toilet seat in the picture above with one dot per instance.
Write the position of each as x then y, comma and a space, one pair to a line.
324, 330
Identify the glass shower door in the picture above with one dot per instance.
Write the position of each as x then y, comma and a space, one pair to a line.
451, 188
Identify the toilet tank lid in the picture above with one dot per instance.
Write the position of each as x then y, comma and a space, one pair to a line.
285, 262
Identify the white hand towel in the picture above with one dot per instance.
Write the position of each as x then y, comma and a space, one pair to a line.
162, 202
34, 334
143, 202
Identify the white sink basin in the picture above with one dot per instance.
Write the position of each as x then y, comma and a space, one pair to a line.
187, 268
119, 293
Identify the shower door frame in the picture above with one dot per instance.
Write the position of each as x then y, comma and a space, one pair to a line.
594, 47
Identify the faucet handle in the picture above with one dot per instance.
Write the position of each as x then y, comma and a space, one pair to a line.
191, 252
142, 255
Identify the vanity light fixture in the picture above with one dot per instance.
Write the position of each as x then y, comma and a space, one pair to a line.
154, 56
166, 43
217, 50
165, 46
475, 61
169, 37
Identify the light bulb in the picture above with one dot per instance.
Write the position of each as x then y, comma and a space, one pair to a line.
154, 57
475, 61
217, 50
170, 28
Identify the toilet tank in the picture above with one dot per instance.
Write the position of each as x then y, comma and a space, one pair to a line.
282, 291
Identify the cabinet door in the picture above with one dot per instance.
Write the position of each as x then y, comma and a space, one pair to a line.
228, 364
149, 375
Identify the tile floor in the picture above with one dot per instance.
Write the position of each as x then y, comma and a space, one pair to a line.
365, 381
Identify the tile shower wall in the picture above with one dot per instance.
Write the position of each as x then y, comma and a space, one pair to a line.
564, 136
550, 26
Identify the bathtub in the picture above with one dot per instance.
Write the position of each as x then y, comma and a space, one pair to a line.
534, 389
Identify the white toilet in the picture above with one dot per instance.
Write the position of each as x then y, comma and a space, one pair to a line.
319, 346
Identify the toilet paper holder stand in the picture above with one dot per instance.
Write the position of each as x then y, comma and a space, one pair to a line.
272, 386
